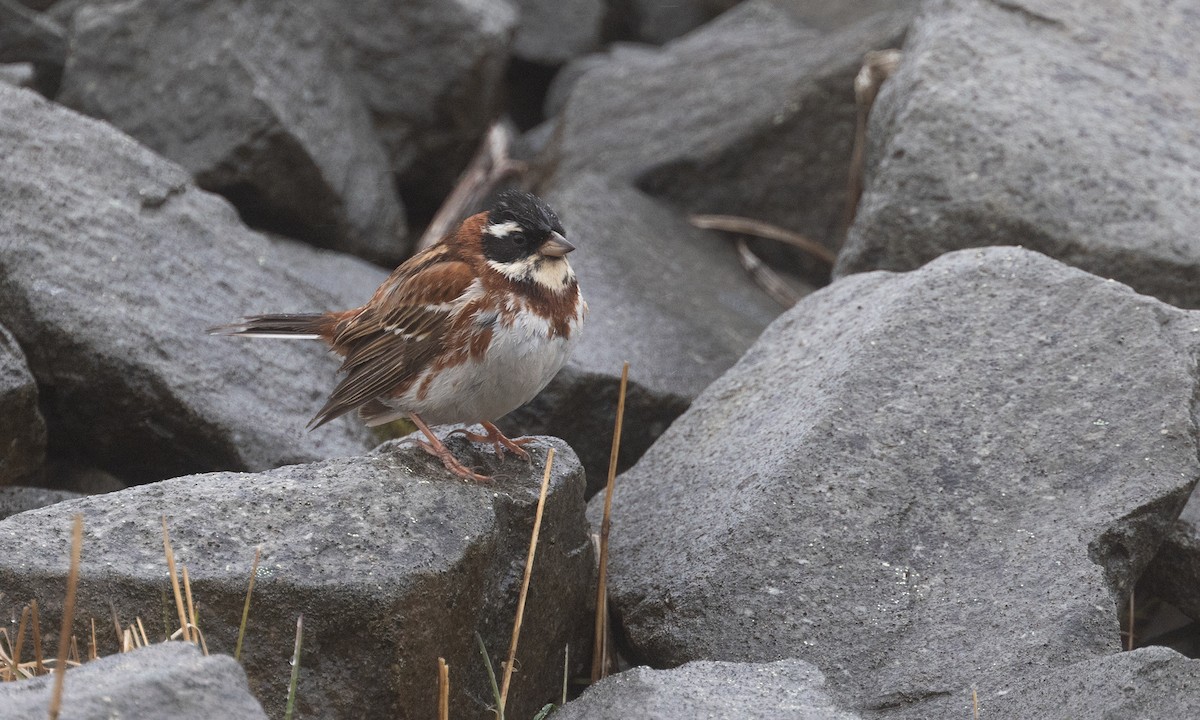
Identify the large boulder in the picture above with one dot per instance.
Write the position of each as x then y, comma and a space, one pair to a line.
670, 299
752, 115
253, 101
790, 689
22, 429
19, 498
550, 32
920, 483
392, 561
112, 266
1068, 128
166, 681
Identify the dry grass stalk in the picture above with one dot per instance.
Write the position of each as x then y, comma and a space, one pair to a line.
975, 703
599, 639
237, 652
183, 623
766, 278
142, 629
295, 680
64, 637
39, 667
878, 66
16, 656
92, 643
490, 167
533, 541
193, 623
443, 689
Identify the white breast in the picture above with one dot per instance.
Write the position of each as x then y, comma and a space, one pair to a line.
521, 360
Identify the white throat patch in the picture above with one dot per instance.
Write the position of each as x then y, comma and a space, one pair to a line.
554, 274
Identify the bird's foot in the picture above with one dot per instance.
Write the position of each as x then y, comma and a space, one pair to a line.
498, 441
439, 450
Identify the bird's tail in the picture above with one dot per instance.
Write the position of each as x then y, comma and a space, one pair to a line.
297, 327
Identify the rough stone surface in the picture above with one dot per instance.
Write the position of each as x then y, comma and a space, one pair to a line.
685, 124
1068, 128
253, 101
554, 31
906, 472
430, 71
392, 560
112, 265
1152, 682
790, 689
670, 299
22, 429
167, 681
18, 498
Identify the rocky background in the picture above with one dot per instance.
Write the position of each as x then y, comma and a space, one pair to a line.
953, 481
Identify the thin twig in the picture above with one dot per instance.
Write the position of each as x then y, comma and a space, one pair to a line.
758, 228
878, 66
68, 618
92, 650
144, 640
490, 167
237, 652
600, 636
175, 581
443, 689
193, 623
16, 659
566, 670
533, 541
975, 703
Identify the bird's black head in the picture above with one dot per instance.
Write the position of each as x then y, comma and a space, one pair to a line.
520, 226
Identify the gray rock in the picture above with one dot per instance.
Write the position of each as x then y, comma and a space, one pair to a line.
831, 15
29, 36
753, 115
919, 482
430, 71
18, 498
1066, 128
670, 299
1175, 573
253, 101
112, 265
790, 689
22, 429
1152, 682
168, 681
19, 74
392, 560
551, 32
657, 21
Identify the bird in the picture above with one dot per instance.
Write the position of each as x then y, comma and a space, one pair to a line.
465, 331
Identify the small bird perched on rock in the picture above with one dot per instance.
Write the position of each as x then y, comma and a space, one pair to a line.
463, 332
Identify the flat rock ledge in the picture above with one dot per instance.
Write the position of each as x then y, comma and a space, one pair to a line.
392, 561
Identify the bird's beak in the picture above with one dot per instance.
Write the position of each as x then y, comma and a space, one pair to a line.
556, 246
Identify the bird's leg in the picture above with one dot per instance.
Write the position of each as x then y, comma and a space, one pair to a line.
437, 449
498, 440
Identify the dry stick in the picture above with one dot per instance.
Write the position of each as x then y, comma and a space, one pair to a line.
443, 689
39, 668
566, 670
64, 643
599, 661
237, 652
194, 623
16, 658
183, 626
516, 634
490, 166
769, 280
92, 647
878, 66
975, 703
758, 228
144, 641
